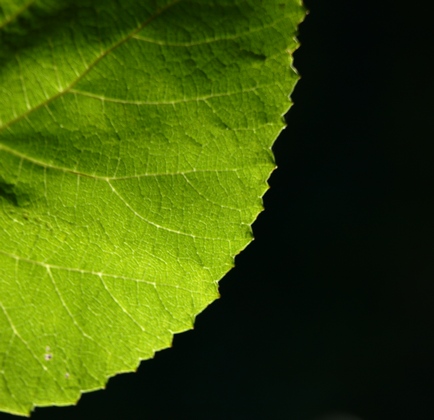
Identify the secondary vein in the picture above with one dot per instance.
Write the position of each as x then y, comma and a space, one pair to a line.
91, 66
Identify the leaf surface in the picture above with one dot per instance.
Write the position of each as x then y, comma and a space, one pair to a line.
134, 151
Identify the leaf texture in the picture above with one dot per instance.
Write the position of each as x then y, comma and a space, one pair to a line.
135, 145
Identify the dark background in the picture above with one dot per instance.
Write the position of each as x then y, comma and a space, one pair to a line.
330, 310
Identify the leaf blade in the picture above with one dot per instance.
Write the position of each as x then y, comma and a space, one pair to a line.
129, 178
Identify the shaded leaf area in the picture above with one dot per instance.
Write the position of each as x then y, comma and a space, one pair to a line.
134, 151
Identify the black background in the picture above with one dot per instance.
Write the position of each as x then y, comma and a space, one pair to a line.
330, 310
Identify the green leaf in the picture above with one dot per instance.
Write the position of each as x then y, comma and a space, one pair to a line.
134, 151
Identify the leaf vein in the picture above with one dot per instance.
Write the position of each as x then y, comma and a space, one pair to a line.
94, 273
210, 40
156, 225
17, 334
90, 67
15, 15
171, 102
